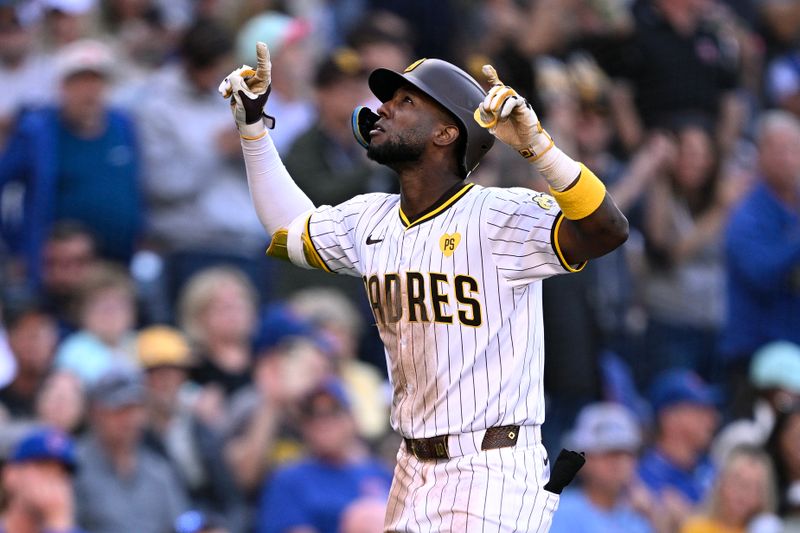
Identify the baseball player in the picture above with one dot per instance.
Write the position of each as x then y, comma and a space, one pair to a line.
453, 272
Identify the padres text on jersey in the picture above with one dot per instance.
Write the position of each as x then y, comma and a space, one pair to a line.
456, 296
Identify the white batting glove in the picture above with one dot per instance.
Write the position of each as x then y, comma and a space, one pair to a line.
248, 90
510, 118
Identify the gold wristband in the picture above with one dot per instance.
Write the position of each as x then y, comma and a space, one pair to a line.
583, 198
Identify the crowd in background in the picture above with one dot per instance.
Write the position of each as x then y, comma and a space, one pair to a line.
159, 373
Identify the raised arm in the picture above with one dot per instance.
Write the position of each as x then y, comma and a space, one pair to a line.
277, 199
592, 225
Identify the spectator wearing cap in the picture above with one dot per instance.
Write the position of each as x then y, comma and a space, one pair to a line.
291, 101
335, 317
289, 361
775, 380
37, 486
331, 167
122, 486
66, 21
77, 160
676, 468
609, 435
314, 492
329, 164
199, 211
176, 433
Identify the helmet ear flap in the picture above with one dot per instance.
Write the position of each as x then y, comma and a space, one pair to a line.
363, 121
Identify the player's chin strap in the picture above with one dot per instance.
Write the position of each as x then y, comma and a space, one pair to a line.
363, 121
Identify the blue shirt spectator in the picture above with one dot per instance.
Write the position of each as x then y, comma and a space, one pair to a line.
577, 513
763, 249
314, 492
658, 473
686, 417
78, 160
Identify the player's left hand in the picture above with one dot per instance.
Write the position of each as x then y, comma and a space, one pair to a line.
248, 90
511, 118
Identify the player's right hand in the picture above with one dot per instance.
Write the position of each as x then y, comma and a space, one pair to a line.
248, 90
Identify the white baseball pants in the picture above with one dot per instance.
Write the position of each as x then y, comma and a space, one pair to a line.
496, 490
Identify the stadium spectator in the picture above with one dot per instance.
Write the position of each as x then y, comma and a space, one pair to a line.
338, 321
744, 491
313, 492
775, 383
610, 436
68, 155
676, 468
290, 360
382, 39
782, 447
679, 63
199, 211
107, 314
66, 21
36, 485
762, 244
177, 434
122, 486
217, 311
68, 257
291, 99
61, 402
684, 292
24, 72
331, 167
32, 336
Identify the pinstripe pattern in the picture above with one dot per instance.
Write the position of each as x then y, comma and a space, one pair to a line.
498, 491
459, 362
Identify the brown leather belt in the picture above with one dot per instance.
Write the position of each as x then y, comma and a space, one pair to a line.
434, 448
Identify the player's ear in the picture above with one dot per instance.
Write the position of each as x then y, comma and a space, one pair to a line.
446, 134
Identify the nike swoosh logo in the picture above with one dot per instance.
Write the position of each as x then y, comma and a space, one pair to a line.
370, 240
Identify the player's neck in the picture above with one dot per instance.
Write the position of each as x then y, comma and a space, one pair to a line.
420, 189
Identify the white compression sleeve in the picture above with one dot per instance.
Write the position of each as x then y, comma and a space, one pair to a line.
276, 197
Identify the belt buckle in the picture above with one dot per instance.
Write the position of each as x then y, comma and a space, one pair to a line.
414, 451
440, 448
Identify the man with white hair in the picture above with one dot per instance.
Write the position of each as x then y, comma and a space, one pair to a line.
763, 250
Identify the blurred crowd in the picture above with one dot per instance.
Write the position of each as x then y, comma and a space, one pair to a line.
159, 373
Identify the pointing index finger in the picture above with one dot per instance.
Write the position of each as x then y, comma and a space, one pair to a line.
491, 75
263, 66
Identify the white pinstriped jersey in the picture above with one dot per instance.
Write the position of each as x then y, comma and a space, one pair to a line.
456, 295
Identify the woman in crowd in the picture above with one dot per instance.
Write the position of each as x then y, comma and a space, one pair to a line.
744, 492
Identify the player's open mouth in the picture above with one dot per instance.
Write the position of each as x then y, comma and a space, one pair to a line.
376, 129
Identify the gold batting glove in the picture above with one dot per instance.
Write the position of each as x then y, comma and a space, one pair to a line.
248, 90
510, 118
